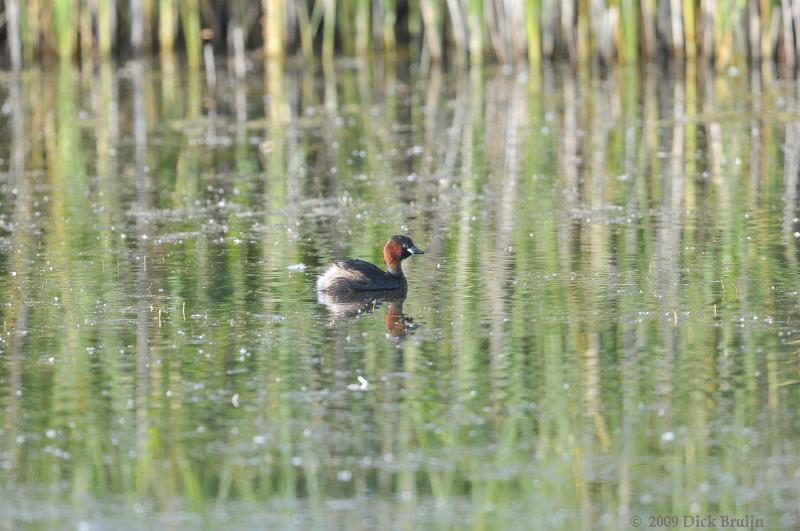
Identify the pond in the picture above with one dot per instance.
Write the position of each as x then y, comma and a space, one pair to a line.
605, 325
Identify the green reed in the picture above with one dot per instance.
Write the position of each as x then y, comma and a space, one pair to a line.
723, 32
64, 24
190, 19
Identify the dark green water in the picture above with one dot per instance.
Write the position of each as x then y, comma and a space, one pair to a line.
606, 324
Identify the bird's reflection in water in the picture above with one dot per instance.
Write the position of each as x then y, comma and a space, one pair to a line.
356, 304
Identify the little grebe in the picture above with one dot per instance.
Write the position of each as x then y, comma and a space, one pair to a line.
357, 275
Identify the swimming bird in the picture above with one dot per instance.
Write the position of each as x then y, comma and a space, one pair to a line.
348, 276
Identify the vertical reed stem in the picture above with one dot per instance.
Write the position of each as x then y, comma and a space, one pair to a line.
362, 27
104, 38
274, 19
30, 27
307, 31
475, 17
389, 19
190, 18
689, 29
459, 28
345, 27
430, 21
788, 35
14, 34
148, 17
166, 25
676, 21
137, 25
568, 29
328, 30
583, 38
707, 39
765, 10
85, 29
237, 39
532, 14
629, 30
649, 28
63, 13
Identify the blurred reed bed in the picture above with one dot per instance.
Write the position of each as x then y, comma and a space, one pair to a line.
519, 32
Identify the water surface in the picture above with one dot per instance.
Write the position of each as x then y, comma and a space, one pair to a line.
605, 323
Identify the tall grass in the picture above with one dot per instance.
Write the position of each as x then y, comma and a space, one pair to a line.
723, 32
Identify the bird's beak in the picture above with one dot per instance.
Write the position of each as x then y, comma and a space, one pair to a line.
415, 250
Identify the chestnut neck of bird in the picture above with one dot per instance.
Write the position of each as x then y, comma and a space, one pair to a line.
391, 255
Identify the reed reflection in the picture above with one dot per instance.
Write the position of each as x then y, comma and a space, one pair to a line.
609, 305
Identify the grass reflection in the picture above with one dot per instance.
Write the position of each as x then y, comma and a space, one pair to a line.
605, 317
